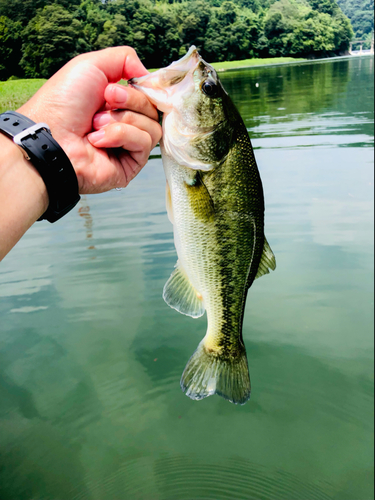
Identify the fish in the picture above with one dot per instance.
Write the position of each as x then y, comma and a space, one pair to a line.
215, 201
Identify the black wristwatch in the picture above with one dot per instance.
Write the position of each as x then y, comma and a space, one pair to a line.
53, 165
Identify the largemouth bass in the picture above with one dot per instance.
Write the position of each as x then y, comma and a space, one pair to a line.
215, 202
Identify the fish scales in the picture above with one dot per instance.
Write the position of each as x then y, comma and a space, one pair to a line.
215, 202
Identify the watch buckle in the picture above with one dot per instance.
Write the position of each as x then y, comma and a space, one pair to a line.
30, 131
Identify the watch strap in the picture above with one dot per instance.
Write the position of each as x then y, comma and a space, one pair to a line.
48, 158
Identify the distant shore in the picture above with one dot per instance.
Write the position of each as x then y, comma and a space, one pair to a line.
14, 93
278, 61
273, 61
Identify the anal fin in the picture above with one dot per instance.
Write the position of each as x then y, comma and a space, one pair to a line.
181, 295
267, 261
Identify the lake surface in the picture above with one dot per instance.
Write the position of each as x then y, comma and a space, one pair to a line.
91, 356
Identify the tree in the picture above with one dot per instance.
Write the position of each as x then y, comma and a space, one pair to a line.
97, 27
361, 15
24, 10
53, 31
314, 36
232, 33
51, 39
115, 32
142, 34
10, 48
253, 5
343, 32
298, 29
276, 29
167, 36
325, 6
21, 10
193, 18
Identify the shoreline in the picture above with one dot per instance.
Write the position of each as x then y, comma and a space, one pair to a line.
297, 61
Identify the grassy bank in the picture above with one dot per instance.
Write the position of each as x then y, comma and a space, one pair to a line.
248, 63
16, 92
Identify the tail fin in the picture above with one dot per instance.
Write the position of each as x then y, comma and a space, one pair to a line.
208, 373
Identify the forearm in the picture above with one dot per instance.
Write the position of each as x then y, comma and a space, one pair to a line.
23, 195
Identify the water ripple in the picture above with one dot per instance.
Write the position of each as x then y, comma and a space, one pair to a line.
187, 477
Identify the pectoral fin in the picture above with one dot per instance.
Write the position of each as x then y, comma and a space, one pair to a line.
267, 261
180, 294
168, 203
199, 197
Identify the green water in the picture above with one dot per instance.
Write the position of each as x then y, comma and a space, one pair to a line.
91, 356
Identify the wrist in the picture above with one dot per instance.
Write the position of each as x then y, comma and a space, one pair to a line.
49, 159
23, 194
19, 174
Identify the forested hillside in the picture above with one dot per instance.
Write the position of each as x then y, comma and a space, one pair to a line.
38, 36
361, 15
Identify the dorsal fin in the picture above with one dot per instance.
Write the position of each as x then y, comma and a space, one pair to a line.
267, 261
181, 295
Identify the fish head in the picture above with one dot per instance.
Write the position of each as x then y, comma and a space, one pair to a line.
196, 108
162, 86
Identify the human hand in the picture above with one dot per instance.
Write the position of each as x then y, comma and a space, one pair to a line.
113, 155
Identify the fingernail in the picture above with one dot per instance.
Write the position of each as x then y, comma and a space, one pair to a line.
101, 119
120, 94
96, 136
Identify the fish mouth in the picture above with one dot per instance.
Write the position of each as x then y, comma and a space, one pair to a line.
161, 85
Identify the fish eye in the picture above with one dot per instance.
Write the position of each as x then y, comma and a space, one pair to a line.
209, 88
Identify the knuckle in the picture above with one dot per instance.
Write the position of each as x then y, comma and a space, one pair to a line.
130, 53
130, 50
79, 59
117, 130
146, 142
157, 133
150, 144
128, 117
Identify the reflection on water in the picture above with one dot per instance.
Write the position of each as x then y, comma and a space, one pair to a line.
91, 357
84, 211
